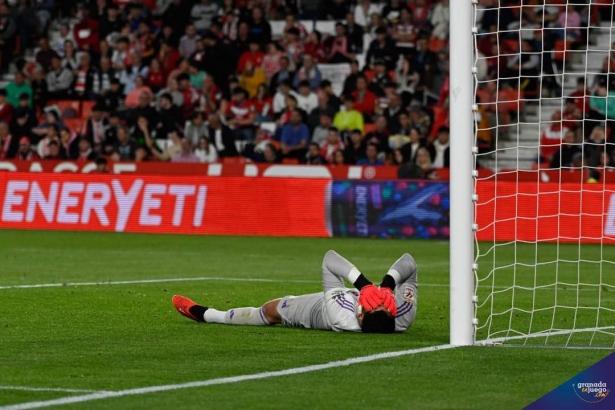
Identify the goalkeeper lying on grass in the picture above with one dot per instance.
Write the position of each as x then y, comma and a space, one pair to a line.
387, 309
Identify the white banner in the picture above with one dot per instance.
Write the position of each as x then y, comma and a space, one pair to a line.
336, 73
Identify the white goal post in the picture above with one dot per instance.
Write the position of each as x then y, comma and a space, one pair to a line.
532, 238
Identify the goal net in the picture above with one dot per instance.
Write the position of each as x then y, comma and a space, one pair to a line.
544, 77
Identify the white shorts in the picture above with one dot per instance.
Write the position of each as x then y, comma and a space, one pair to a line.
303, 311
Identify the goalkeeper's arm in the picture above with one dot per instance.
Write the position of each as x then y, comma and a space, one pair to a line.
336, 268
403, 270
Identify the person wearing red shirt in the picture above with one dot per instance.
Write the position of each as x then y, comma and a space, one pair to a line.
580, 95
86, 31
263, 104
365, 100
291, 22
211, 96
315, 48
332, 144
552, 137
168, 57
155, 77
571, 115
253, 55
190, 94
240, 115
6, 109
25, 152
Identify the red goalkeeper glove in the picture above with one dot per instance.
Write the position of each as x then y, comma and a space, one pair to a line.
389, 300
370, 297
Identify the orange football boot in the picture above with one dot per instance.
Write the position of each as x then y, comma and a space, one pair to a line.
183, 305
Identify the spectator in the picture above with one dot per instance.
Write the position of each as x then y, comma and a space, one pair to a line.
310, 72
96, 126
8, 144
340, 48
596, 145
133, 97
405, 32
110, 137
185, 155
291, 22
315, 48
350, 84
381, 49
69, 144
440, 20
423, 161
113, 98
85, 31
441, 149
211, 96
381, 79
412, 148
221, 137
240, 115
271, 154
355, 150
125, 147
45, 53
272, 61
111, 22
205, 152
332, 144
187, 44
333, 101
197, 59
8, 31
393, 112
203, 14
314, 156
260, 29
349, 119
64, 35
86, 153
145, 42
120, 58
380, 136
306, 99
338, 158
365, 99
59, 80
40, 92
295, 137
263, 104
25, 152
552, 137
364, 10
355, 33
253, 55
571, 115
52, 135
371, 156
53, 152
284, 74
230, 25
580, 95
129, 75
6, 109
155, 77
563, 157
420, 121
70, 59
242, 42
252, 77
293, 48
323, 108
321, 132
84, 78
219, 62
279, 99
392, 12
17, 87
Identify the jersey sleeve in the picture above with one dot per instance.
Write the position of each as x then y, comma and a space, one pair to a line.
403, 277
340, 310
335, 268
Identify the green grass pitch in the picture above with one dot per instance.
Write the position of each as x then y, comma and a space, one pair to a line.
115, 337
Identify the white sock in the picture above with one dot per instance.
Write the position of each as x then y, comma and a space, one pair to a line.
248, 316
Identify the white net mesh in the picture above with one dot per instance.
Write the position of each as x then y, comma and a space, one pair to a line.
545, 134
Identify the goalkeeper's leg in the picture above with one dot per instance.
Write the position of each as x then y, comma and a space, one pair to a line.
248, 316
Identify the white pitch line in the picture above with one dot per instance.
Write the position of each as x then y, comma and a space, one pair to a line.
223, 380
49, 389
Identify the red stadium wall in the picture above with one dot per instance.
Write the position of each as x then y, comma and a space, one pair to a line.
278, 206
164, 204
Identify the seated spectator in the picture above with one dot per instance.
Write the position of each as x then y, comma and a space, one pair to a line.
393, 112
211, 97
564, 155
221, 137
203, 14
293, 47
405, 127
260, 29
45, 53
291, 22
423, 161
306, 98
24, 121
308, 72
187, 44
59, 41
419, 120
382, 49
69, 144
6, 109
364, 10
206, 152
16, 88
134, 96
190, 95
271, 61
128, 76
156, 79
332, 144
197, 76
173, 146
365, 99
70, 59
185, 155
323, 108
371, 156
405, 32
111, 22
314, 156
334, 101
321, 132
96, 126
284, 74
254, 55
240, 115
125, 147
350, 83
571, 115
355, 149
412, 148
552, 137
120, 59
198, 57
270, 155
580, 95
25, 151
284, 117
315, 48
263, 104
441, 149
8, 144
280, 97
440, 20
85, 31
53, 152
381, 79
8, 34
40, 90
338, 158
349, 119
355, 33
340, 48
252, 77
51, 117
295, 137
113, 98
84, 76
380, 136
86, 153
595, 145
195, 129
110, 137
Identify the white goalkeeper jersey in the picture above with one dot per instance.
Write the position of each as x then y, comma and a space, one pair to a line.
340, 305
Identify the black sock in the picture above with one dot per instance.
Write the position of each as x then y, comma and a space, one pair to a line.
198, 311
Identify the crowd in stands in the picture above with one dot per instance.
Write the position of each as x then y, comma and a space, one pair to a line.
204, 80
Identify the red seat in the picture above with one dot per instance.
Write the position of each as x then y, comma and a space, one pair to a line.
368, 128
75, 124
86, 109
435, 44
369, 75
290, 161
561, 52
234, 160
